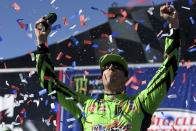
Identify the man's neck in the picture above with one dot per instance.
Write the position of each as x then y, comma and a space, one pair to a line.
108, 91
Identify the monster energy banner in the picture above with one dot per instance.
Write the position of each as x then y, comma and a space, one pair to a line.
177, 111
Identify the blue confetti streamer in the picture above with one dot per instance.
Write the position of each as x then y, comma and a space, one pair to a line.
191, 50
74, 64
165, 24
74, 40
25, 114
148, 48
95, 46
94, 82
42, 92
55, 27
94, 8
171, 3
109, 50
120, 51
83, 115
190, 2
46, 102
100, 127
96, 96
167, 116
26, 27
128, 26
76, 14
14, 91
140, 21
18, 20
154, 57
192, 20
48, 124
115, 33
117, 20
1, 38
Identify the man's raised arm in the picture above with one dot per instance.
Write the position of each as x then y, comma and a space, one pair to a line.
152, 96
66, 96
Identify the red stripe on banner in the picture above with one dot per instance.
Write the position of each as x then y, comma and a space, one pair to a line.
59, 107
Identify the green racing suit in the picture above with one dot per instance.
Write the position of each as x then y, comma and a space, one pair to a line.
115, 112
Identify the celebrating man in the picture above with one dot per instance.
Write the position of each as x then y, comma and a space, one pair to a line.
115, 111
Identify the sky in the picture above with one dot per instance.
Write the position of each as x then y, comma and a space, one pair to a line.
15, 41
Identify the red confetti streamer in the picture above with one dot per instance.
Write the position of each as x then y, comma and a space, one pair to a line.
136, 27
68, 56
105, 35
124, 14
183, 63
83, 89
29, 102
88, 122
159, 33
168, 55
134, 87
188, 64
16, 6
49, 119
86, 72
166, 3
192, 46
184, 78
59, 56
5, 65
46, 78
172, 83
123, 92
22, 25
111, 15
135, 80
121, 104
194, 40
21, 119
139, 72
30, 53
103, 12
61, 64
71, 83
129, 81
14, 87
22, 111
102, 51
46, 44
87, 42
65, 21
66, 75
82, 22
69, 44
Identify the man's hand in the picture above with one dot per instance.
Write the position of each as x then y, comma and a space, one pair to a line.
169, 13
41, 36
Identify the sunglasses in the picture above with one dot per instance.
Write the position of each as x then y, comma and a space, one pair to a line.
116, 66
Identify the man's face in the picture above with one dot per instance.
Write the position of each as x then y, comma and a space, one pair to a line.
113, 76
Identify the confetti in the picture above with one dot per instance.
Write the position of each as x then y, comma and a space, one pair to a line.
72, 27
124, 14
86, 72
16, 6
192, 20
1, 39
14, 87
87, 42
46, 78
51, 35
74, 40
59, 55
167, 116
136, 27
22, 111
165, 24
69, 44
74, 64
172, 83
68, 56
154, 57
65, 21
188, 64
49, 119
191, 50
190, 2
183, 63
52, 93
148, 48
83, 89
55, 27
115, 34
184, 78
102, 51
143, 82
52, 2
22, 25
139, 72
134, 87
44, 91
95, 46
110, 38
140, 21
82, 22
185, 7
94, 8
104, 35
150, 10
70, 119
66, 75
172, 96
159, 33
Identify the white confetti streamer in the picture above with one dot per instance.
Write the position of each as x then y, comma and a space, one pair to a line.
53, 34
172, 96
71, 119
72, 27
150, 10
185, 7
52, 2
80, 11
